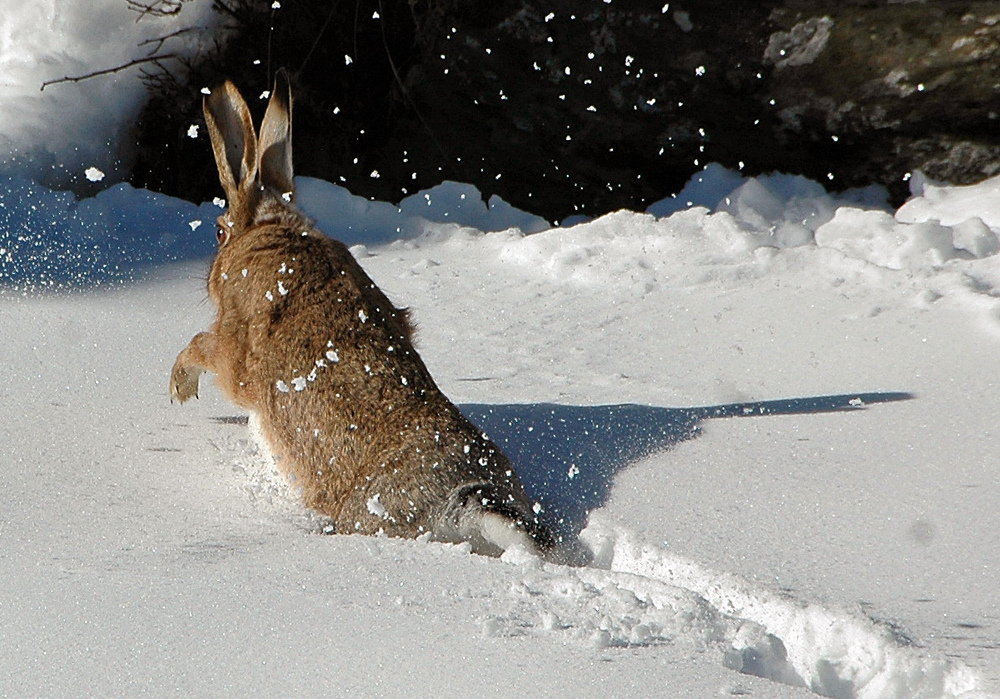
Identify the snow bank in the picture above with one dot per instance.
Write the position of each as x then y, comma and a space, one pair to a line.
950, 205
355, 220
56, 134
783, 211
52, 240
945, 237
119, 233
49, 239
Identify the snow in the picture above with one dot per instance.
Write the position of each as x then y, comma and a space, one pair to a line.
375, 507
764, 409
839, 541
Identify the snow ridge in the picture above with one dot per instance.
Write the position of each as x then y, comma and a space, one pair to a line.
826, 650
636, 594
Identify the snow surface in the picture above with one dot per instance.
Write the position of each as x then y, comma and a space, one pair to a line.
822, 531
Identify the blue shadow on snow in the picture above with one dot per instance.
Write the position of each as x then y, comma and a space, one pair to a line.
568, 455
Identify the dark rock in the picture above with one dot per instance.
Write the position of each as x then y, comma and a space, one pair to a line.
900, 86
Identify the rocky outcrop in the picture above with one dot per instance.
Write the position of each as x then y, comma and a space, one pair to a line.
891, 88
570, 107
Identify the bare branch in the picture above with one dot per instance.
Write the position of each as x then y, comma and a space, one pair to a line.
159, 41
319, 36
155, 60
402, 86
156, 8
224, 7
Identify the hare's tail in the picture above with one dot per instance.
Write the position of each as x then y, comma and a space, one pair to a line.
478, 514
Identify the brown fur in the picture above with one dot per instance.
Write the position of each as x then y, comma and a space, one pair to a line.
305, 338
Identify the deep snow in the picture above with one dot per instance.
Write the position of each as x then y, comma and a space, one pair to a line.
846, 545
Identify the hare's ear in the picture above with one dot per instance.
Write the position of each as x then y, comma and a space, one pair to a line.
276, 138
233, 139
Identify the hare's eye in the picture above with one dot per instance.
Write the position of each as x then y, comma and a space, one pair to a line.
222, 235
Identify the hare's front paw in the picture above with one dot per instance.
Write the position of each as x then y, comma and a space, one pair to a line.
184, 381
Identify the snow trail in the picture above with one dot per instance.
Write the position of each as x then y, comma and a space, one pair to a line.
827, 650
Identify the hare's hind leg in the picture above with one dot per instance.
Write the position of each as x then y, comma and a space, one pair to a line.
191, 363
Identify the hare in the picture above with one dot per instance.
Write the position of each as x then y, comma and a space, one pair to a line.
306, 340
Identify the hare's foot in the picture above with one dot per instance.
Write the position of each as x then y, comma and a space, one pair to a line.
184, 382
189, 365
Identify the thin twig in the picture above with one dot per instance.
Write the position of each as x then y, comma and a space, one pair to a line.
319, 36
173, 7
159, 41
402, 87
106, 71
222, 7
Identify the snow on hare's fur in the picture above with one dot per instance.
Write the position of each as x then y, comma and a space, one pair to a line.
305, 338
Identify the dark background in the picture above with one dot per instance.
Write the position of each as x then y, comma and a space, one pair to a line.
570, 107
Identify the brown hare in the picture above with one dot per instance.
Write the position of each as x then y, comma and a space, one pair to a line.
305, 339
